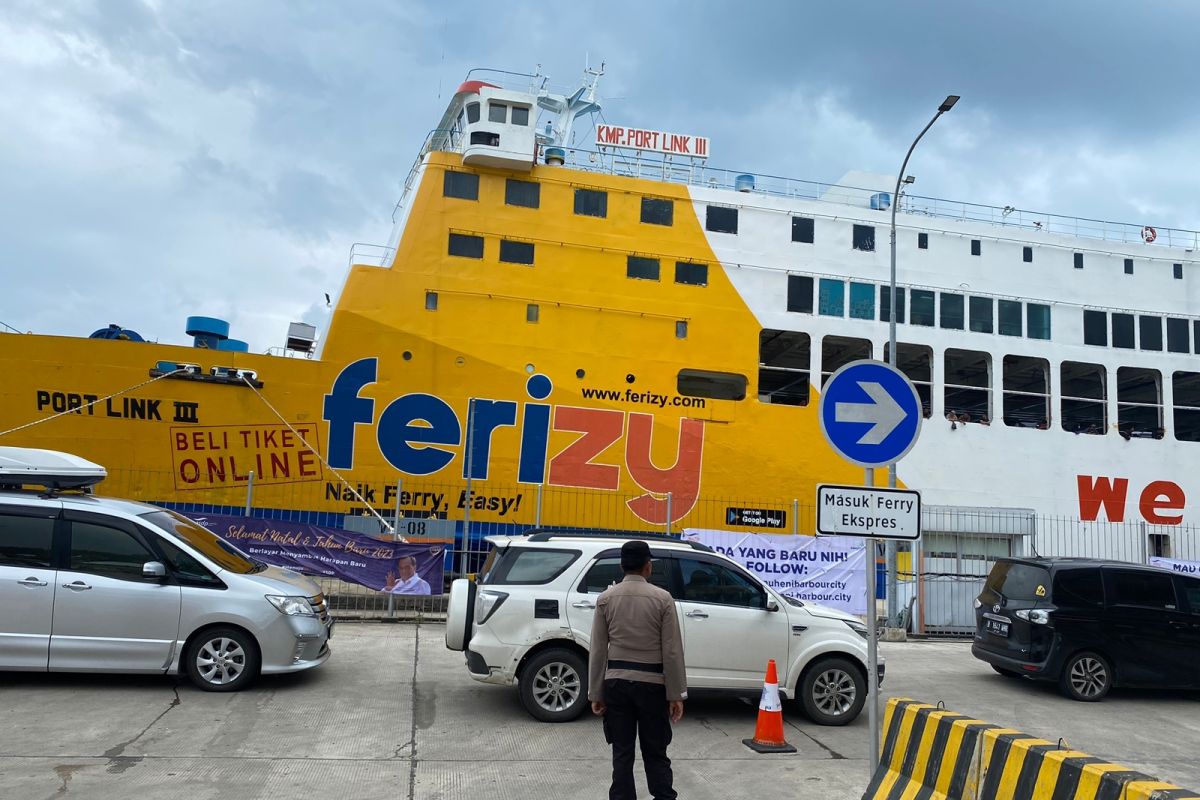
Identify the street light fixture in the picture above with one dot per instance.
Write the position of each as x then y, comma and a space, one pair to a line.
946, 105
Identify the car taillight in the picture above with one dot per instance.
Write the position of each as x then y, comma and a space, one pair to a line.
486, 603
1037, 616
977, 603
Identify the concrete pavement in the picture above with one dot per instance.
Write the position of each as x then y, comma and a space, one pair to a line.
394, 715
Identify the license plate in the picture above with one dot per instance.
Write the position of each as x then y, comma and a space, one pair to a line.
995, 627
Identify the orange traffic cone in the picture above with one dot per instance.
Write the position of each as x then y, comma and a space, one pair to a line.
768, 732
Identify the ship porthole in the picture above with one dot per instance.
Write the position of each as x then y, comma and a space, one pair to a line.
579, 373
630, 378
460, 361
529, 368
407, 355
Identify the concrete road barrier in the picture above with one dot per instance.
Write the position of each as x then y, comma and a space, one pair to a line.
930, 753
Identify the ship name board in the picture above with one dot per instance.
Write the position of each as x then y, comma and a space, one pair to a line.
675, 144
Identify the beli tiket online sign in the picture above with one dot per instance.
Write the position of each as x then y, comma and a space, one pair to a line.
393, 567
826, 570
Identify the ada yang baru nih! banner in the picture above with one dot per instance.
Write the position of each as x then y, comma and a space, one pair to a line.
393, 567
827, 570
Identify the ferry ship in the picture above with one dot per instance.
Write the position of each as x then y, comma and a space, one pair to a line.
621, 325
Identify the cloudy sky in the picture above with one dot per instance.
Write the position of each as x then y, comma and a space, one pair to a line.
162, 158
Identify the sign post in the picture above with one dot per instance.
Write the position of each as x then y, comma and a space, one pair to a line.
871, 415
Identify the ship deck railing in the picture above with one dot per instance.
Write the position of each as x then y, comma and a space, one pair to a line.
695, 172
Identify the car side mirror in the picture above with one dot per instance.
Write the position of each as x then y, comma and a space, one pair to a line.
154, 569
772, 605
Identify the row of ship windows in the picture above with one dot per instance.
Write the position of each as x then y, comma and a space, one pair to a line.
785, 364
464, 245
533, 314
957, 311
718, 219
1149, 331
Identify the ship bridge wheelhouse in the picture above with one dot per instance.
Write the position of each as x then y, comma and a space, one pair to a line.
497, 126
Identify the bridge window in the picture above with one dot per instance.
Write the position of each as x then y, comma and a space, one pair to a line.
784, 361
1010, 317
520, 115
522, 193
497, 112
590, 203
952, 311
691, 273
922, 308
1083, 408
838, 351
1196, 336
968, 384
800, 294
472, 112
802, 230
714, 385
864, 237
1150, 332
862, 301
1122, 330
1139, 402
516, 252
1037, 321
885, 294
466, 246
1095, 327
1186, 387
1177, 335
463, 185
485, 138
658, 212
720, 219
1026, 392
915, 361
645, 269
832, 302
981, 314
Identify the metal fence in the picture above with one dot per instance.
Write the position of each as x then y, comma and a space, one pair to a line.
938, 577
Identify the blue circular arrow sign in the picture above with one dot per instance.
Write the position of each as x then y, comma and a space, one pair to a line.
870, 413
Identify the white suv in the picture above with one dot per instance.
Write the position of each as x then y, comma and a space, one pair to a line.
528, 618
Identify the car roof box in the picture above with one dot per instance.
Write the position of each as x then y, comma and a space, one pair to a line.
25, 466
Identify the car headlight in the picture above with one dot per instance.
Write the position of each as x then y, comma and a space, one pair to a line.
1037, 616
292, 606
857, 627
486, 603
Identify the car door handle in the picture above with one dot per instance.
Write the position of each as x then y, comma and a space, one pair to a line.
696, 613
583, 604
31, 581
77, 586
1178, 626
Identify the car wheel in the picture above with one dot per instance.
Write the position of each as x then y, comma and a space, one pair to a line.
1086, 676
833, 691
460, 614
554, 685
1008, 673
223, 660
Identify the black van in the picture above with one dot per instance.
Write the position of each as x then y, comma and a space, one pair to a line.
1090, 625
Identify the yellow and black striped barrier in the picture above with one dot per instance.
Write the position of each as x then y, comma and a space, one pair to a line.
930, 753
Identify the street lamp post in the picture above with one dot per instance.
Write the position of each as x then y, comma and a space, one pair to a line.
947, 104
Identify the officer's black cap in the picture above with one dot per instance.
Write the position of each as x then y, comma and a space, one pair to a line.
634, 554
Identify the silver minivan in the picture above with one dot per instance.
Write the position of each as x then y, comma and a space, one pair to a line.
93, 584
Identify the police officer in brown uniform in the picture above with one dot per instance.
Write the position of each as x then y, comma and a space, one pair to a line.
635, 674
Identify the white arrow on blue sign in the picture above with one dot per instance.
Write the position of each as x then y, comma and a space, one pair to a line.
870, 413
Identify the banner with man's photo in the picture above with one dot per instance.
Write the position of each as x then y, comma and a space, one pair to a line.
393, 567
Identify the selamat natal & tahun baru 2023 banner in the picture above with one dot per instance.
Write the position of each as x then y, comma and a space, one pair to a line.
393, 567
827, 570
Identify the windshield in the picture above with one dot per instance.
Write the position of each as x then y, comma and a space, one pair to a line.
211, 546
1010, 581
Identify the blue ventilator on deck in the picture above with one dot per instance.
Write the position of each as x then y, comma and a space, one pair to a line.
208, 332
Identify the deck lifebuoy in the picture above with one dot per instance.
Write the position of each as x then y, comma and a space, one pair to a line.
1149, 234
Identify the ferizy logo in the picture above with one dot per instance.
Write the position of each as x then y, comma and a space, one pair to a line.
424, 448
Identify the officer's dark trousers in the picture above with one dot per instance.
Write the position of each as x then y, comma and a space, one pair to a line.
638, 710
